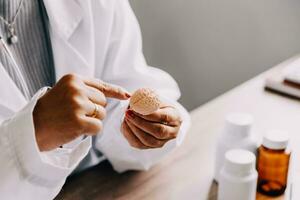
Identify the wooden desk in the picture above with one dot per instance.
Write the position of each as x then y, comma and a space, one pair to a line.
188, 172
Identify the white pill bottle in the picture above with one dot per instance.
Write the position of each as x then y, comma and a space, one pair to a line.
236, 134
238, 177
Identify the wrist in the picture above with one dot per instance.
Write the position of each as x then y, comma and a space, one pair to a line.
37, 121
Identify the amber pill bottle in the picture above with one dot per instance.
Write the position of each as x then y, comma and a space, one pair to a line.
273, 163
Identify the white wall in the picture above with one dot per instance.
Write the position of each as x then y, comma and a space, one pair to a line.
210, 46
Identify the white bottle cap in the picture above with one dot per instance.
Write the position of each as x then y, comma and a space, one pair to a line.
276, 139
239, 162
238, 124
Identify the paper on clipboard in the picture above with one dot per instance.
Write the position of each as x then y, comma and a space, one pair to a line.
284, 81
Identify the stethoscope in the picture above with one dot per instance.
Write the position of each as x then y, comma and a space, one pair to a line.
25, 89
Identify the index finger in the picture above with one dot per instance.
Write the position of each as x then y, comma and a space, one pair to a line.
109, 90
166, 115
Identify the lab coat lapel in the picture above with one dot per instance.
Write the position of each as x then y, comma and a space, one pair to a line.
65, 17
11, 97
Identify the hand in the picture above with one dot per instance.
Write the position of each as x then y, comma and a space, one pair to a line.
65, 112
151, 131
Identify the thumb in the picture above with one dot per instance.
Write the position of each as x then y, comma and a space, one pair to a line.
109, 90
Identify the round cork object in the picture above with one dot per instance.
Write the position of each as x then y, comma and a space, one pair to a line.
144, 101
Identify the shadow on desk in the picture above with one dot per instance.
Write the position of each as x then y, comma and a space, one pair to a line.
214, 194
102, 182
99, 182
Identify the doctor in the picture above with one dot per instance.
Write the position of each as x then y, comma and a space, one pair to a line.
90, 53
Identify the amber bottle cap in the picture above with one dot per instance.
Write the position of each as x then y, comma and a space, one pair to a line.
276, 139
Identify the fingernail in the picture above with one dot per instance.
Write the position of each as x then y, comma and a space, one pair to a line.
130, 114
127, 95
127, 116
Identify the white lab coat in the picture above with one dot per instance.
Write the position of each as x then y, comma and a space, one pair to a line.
93, 38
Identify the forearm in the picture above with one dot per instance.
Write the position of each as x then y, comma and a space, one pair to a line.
24, 168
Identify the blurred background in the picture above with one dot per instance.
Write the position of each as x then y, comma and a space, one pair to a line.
211, 46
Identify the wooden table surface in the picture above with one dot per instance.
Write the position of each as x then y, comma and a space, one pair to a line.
188, 172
